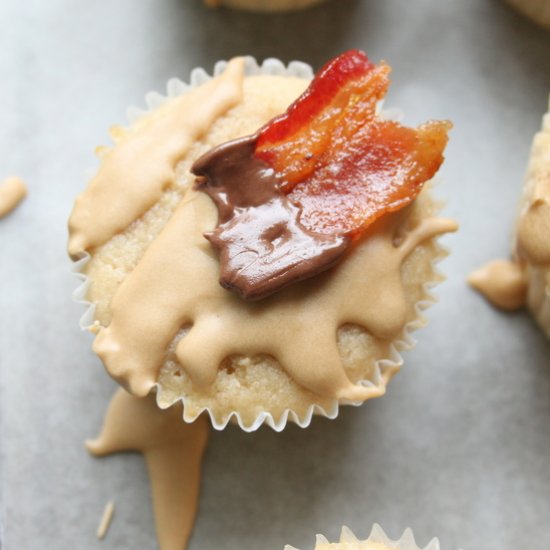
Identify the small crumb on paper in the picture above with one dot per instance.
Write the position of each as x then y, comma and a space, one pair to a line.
106, 519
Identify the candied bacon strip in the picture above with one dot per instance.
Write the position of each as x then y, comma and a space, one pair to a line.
345, 91
381, 170
340, 163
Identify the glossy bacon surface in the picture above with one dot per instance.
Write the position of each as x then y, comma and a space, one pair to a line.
337, 160
348, 87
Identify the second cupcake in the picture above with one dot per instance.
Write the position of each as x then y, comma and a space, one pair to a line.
524, 280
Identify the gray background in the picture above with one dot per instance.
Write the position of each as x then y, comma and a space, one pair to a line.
460, 445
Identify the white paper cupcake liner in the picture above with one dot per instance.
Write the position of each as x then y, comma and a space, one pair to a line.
377, 535
384, 368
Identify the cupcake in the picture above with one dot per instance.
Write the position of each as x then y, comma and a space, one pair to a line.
378, 540
264, 5
536, 10
524, 280
259, 245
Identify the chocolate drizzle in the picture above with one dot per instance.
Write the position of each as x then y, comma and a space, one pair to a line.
263, 247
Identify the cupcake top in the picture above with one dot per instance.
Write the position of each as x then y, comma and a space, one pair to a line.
301, 331
377, 540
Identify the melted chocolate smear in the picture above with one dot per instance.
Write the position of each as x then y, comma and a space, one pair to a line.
263, 247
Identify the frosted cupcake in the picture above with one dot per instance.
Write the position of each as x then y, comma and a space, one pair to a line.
525, 279
378, 540
268, 277
264, 5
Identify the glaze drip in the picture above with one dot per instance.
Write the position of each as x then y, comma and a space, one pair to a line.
502, 282
523, 280
173, 452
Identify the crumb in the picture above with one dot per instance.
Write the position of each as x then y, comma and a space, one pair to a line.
106, 519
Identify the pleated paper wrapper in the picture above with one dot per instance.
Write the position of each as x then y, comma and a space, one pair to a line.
378, 540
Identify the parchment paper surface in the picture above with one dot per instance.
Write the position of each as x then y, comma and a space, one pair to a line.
460, 445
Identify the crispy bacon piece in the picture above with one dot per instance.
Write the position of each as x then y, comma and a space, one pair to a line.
345, 92
381, 170
340, 163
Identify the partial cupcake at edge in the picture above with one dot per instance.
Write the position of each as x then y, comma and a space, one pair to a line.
271, 277
377, 540
268, 6
524, 279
